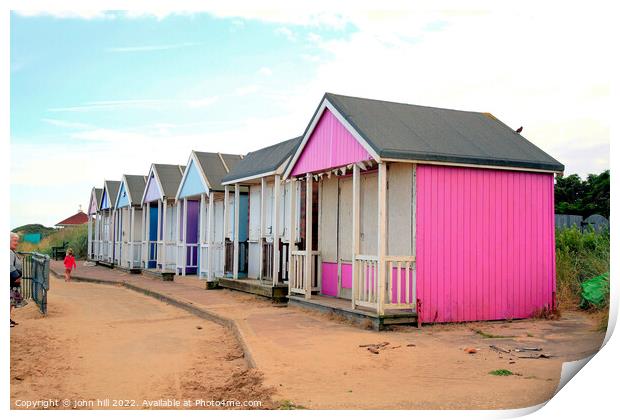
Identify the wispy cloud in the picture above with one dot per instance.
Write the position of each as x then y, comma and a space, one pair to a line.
246, 90
110, 136
265, 71
145, 48
117, 104
66, 124
152, 104
68, 14
202, 102
290, 35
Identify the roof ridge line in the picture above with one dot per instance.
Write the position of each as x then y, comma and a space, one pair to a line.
223, 163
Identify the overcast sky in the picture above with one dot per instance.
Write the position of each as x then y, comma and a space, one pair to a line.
99, 94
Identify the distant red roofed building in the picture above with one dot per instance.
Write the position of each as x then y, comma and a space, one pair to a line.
77, 219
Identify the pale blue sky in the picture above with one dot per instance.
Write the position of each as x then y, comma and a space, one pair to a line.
98, 96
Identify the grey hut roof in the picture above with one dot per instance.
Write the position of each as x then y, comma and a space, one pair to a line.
170, 177
214, 169
412, 132
112, 187
134, 185
98, 194
262, 161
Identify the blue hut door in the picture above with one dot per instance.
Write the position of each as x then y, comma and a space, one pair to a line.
153, 215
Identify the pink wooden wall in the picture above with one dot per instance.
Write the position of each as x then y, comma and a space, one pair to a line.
330, 146
329, 277
485, 243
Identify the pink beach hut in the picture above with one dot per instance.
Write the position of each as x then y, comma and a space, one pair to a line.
412, 213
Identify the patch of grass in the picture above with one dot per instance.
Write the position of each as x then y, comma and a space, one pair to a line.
579, 257
489, 335
546, 313
77, 237
529, 334
289, 405
501, 372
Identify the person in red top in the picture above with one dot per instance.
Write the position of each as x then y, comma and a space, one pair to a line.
69, 264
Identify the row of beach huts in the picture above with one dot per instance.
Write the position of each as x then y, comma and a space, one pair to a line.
379, 211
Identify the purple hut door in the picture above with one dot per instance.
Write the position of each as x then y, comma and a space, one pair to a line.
193, 209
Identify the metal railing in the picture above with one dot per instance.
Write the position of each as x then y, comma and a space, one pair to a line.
35, 281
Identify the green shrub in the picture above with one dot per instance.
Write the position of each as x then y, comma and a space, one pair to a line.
77, 238
579, 257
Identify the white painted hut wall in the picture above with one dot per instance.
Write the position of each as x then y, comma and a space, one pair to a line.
254, 224
286, 213
231, 213
401, 209
345, 228
328, 224
282, 207
125, 215
171, 222
368, 214
253, 260
137, 225
125, 226
269, 209
218, 238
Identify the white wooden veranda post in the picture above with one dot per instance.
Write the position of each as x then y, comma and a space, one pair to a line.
226, 217
355, 228
158, 235
381, 239
112, 234
183, 236
164, 233
308, 267
96, 236
276, 230
90, 239
236, 233
210, 237
292, 231
132, 245
261, 240
146, 222
201, 234
177, 239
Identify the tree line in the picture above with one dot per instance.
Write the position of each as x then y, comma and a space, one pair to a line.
583, 197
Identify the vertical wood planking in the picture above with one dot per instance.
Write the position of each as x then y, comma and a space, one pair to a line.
484, 243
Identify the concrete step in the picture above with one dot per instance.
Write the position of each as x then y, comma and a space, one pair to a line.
159, 275
275, 293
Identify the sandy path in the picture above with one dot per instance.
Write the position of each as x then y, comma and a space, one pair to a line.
104, 342
316, 361
427, 368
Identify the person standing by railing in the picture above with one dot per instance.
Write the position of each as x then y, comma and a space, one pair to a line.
16, 275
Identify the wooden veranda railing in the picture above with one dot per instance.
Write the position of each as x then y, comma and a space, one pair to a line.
297, 274
401, 282
267, 266
398, 286
229, 256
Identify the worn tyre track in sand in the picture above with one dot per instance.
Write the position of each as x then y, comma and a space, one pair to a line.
100, 341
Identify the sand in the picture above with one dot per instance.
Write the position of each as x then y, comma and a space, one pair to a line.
103, 341
107, 347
